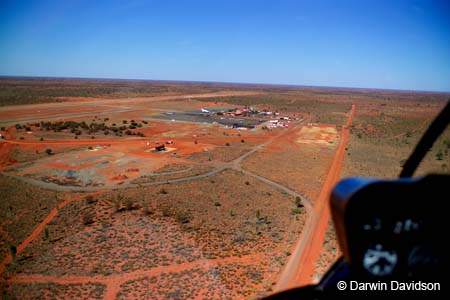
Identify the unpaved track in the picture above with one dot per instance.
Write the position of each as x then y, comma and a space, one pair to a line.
114, 281
300, 267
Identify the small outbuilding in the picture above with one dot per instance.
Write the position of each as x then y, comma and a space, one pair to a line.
160, 147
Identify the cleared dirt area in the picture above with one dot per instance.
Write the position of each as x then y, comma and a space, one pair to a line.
317, 135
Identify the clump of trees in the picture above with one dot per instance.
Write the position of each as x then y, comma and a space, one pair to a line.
298, 206
78, 128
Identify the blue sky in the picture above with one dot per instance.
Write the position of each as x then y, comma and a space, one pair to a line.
362, 43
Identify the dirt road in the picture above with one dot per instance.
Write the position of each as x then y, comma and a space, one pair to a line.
300, 267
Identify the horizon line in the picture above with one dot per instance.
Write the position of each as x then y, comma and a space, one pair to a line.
227, 82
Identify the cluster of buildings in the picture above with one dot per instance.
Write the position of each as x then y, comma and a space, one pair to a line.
240, 112
278, 123
275, 121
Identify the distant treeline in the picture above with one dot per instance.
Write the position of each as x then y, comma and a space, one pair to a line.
27, 90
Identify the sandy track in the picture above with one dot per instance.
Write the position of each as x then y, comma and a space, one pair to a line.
300, 267
114, 281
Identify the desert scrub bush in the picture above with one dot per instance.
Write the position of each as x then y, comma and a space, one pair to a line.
147, 210
49, 151
130, 205
88, 218
166, 212
13, 252
298, 202
296, 211
182, 217
90, 200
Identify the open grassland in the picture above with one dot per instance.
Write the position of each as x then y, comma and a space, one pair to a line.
53, 291
226, 216
22, 207
221, 281
383, 137
165, 174
175, 223
26, 153
299, 166
328, 254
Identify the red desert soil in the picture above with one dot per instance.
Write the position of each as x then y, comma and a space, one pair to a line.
300, 267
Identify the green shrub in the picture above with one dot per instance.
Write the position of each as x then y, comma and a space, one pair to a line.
296, 210
182, 217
